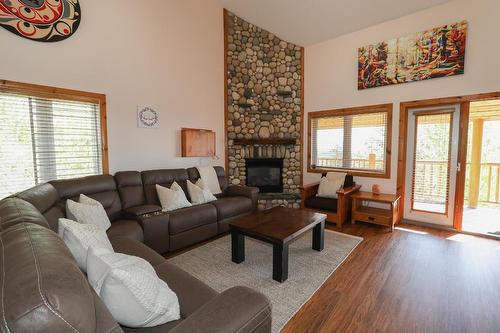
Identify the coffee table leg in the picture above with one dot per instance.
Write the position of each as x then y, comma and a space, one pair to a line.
280, 262
237, 247
319, 236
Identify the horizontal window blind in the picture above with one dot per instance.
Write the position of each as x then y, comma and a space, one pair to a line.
46, 139
351, 141
431, 168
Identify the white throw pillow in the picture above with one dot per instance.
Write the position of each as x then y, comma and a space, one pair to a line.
172, 198
130, 289
78, 237
198, 193
87, 211
328, 187
209, 177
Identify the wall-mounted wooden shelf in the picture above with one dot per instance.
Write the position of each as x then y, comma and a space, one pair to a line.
270, 141
197, 142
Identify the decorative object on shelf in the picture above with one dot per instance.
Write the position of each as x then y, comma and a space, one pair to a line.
147, 117
376, 189
41, 20
420, 56
197, 142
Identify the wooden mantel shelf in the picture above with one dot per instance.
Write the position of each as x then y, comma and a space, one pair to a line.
270, 141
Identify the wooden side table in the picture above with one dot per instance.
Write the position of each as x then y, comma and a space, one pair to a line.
361, 211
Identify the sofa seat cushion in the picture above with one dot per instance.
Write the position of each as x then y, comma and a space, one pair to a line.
327, 204
188, 218
137, 211
127, 229
232, 206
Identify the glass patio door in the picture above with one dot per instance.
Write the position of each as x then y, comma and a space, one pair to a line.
431, 164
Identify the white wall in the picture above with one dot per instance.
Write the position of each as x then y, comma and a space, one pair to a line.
165, 53
331, 68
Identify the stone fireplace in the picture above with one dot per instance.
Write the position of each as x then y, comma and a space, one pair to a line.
263, 112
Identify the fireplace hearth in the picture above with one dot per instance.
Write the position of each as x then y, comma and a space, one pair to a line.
266, 174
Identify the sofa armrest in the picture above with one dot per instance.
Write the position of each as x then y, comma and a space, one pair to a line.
349, 190
244, 191
156, 230
306, 192
344, 203
136, 211
239, 309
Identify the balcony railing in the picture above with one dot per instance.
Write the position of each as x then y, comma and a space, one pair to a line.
489, 189
357, 163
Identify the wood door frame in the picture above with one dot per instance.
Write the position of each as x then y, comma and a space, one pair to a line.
464, 102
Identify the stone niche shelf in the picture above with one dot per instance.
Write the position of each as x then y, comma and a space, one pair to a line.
270, 141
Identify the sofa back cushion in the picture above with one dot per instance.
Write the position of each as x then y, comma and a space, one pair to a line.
101, 188
14, 211
194, 175
43, 288
45, 198
163, 178
129, 184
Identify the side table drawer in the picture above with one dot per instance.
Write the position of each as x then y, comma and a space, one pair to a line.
372, 218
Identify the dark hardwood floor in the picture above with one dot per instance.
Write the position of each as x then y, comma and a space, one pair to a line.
413, 280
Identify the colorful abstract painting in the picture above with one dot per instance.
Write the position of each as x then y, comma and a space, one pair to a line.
425, 55
40, 20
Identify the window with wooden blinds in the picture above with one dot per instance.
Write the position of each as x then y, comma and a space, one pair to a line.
431, 169
355, 140
43, 138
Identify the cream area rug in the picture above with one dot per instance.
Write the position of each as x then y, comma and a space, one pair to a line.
307, 269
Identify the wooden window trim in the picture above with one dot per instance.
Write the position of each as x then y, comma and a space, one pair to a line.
41, 91
354, 111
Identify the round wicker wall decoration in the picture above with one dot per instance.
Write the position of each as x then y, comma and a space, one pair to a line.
41, 20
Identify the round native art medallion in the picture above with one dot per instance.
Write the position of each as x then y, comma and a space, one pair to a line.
41, 20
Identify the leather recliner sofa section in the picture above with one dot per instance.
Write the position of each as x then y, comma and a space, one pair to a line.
45, 291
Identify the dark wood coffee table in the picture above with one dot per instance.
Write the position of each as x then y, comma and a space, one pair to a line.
278, 226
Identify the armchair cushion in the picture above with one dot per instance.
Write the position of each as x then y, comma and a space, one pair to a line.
328, 204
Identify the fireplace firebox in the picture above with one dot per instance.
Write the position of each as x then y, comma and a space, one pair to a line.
265, 173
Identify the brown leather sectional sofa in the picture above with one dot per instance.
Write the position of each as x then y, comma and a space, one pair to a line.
43, 290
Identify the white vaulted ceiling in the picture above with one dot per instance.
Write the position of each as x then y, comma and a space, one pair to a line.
307, 22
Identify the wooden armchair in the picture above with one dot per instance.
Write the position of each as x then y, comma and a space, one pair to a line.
337, 210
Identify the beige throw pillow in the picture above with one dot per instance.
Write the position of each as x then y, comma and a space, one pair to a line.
328, 187
78, 237
87, 211
172, 198
131, 289
199, 193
